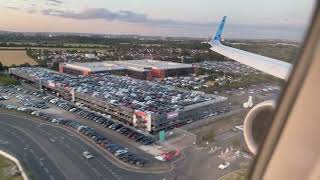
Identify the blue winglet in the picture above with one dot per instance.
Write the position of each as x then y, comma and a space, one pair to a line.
217, 37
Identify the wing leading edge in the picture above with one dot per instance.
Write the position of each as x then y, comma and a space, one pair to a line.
268, 65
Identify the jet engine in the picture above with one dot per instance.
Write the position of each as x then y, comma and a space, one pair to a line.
257, 123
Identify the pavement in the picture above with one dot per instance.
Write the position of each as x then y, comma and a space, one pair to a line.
60, 153
32, 157
53, 153
144, 151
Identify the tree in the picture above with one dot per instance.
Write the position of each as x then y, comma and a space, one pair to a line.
236, 142
26, 65
1, 66
55, 66
209, 136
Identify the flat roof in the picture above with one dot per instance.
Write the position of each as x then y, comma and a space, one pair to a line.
136, 65
94, 67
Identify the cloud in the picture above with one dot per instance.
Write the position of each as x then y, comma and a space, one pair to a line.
31, 10
55, 1
11, 7
279, 29
99, 13
123, 16
144, 19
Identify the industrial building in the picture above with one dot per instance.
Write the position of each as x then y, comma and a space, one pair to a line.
146, 105
140, 69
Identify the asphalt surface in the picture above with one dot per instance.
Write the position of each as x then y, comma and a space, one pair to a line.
57, 112
53, 153
50, 152
32, 157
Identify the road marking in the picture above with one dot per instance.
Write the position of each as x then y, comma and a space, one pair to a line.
35, 141
46, 170
109, 170
89, 143
31, 150
41, 163
96, 171
51, 177
93, 169
3, 142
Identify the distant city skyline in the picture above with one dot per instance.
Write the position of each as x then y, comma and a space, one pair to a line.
272, 19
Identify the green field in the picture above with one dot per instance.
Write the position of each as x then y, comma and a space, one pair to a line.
84, 45
7, 80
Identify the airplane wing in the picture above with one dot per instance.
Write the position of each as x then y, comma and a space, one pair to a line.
268, 65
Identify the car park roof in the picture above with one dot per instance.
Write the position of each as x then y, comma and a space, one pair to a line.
140, 95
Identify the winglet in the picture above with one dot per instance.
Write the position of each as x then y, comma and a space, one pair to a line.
217, 37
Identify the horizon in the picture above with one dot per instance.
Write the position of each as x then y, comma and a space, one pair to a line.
147, 19
32, 33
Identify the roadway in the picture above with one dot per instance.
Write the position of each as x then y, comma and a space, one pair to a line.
54, 153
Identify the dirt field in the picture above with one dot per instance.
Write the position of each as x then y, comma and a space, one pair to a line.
240, 174
17, 57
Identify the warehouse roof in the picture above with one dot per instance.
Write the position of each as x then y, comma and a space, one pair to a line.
137, 65
94, 67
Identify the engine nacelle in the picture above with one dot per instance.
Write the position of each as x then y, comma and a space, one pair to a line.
257, 123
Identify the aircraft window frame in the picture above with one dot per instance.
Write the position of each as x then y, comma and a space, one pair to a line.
288, 96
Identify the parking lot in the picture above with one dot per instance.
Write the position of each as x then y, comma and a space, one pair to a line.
146, 105
228, 67
116, 145
190, 82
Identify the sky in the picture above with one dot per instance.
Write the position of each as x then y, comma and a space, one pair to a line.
252, 19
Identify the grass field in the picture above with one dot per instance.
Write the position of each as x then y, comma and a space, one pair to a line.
4, 163
240, 174
6, 80
209, 131
17, 57
85, 45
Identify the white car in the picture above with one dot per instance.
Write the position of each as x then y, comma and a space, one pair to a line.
54, 101
55, 120
119, 152
5, 97
224, 166
87, 155
36, 113
10, 107
21, 109
73, 109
